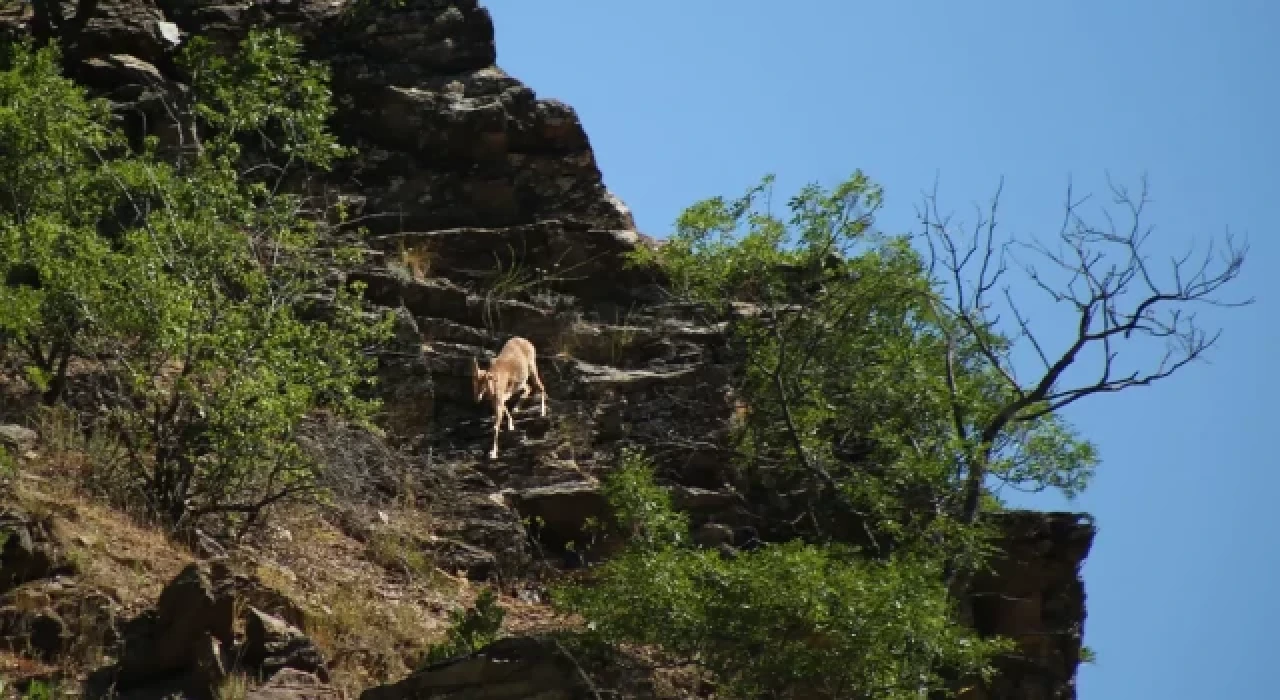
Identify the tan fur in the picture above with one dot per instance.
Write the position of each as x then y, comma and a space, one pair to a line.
510, 372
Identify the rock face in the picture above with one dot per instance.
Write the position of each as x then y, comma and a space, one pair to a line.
491, 219
515, 667
187, 644
17, 438
184, 642
27, 551
271, 645
293, 685
1034, 595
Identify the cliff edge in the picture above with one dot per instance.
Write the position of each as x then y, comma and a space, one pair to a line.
489, 218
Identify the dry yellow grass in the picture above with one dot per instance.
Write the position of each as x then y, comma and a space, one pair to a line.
373, 608
417, 259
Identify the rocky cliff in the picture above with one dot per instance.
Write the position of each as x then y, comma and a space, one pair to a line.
490, 218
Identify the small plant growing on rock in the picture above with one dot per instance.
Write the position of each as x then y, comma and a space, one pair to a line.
470, 629
416, 260
8, 464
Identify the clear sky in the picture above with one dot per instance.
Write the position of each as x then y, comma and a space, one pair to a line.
684, 100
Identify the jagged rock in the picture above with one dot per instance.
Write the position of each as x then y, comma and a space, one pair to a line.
46, 617
27, 551
559, 514
493, 182
713, 535
291, 684
186, 634
251, 591
701, 501
17, 438
41, 632
1033, 594
271, 644
515, 667
475, 563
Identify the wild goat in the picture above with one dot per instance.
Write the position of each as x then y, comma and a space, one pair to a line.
508, 373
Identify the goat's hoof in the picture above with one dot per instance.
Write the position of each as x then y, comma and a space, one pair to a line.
493, 454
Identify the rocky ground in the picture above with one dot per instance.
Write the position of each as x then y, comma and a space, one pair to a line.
489, 219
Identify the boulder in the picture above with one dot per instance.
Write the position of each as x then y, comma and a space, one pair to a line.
271, 645
17, 438
514, 667
187, 635
559, 514
28, 551
291, 684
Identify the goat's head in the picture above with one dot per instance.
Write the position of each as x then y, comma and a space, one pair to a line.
482, 381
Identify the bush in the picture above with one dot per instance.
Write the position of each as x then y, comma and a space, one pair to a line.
469, 629
176, 281
788, 620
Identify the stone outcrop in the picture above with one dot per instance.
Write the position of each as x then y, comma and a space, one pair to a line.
293, 685
272, 645
490, 218
17, 438
1034, 595
187, 644
515, 667
28, 551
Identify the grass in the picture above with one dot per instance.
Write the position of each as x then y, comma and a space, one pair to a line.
234, 687
373, 606
398, 552
599, 344
416, 259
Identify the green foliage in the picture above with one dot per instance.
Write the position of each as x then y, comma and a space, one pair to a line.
264, 91
789, 620
40, 690
867, 402
853, 378
8, 464
470, 629
188, 285
642, 507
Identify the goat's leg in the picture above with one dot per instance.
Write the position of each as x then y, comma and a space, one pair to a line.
524, 394
537, 381
511, 425
497, 426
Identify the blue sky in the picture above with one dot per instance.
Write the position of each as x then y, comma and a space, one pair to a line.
685, 100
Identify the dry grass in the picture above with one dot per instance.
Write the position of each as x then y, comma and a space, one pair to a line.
417, 259
234, 687
116, 554
15, 670
363, 611
372, 605
608, 344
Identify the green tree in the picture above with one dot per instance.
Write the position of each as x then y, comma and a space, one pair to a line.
189, 282
882, 397
875, 364
792, 620
1115, 297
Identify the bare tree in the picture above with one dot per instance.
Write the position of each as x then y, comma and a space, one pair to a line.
1115, 295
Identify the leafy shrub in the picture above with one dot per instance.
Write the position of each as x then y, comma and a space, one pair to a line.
787, 620
189, 283
469, 629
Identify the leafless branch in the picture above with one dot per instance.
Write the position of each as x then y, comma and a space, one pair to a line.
1108, 282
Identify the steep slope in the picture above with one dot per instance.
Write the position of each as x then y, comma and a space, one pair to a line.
490, 219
